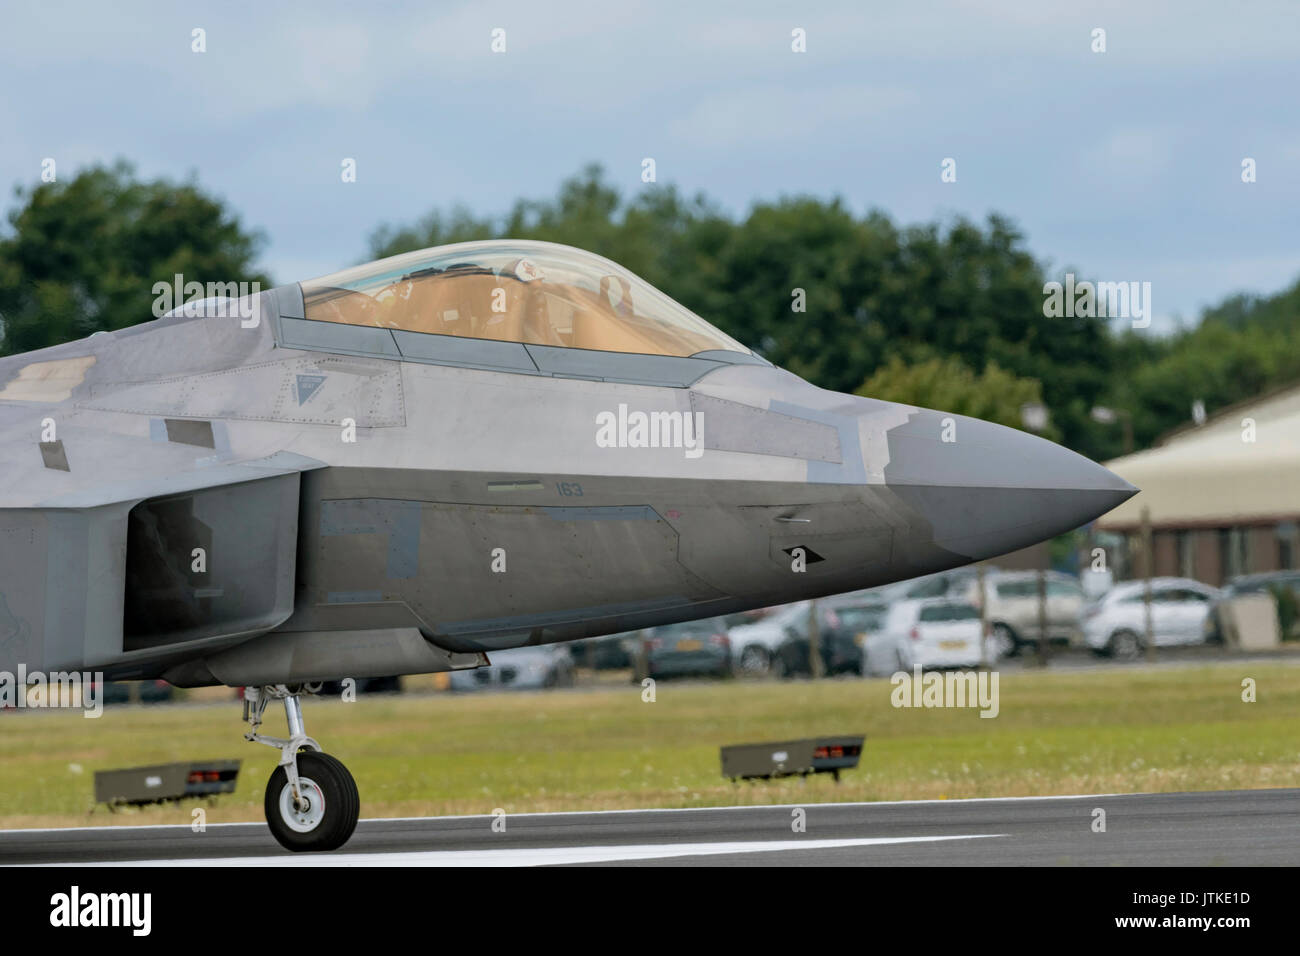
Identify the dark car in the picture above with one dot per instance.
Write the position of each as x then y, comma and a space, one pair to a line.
363, 685
865, 621
611, 652
146, 692
842, 632
692, 648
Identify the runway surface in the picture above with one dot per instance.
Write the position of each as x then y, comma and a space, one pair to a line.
1245, 827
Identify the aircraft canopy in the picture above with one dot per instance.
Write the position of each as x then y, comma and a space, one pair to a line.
537, 293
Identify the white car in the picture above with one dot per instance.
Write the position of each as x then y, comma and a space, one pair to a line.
753, 646
934, 632
1116, 624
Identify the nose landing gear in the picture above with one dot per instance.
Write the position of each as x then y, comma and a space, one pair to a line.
311, 800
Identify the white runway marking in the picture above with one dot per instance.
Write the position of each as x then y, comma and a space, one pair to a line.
538, 856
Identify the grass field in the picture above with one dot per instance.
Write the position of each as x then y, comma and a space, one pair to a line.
1117, 729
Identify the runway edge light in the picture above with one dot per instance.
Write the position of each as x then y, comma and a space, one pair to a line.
786, 758
167, 781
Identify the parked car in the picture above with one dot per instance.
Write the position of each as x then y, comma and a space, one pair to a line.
837, 640
611, 652
754, 647
752, 616
363, 685
933, 632
691, 648
1012, 610
1116, 624
869, 624
1283, 585
957, 582
519, 668
148, 692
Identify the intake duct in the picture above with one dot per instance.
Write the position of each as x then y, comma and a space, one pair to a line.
128, 586
211, 562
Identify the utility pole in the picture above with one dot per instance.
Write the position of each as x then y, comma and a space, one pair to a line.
982, 601
1148, 564
1042, 617
814, 641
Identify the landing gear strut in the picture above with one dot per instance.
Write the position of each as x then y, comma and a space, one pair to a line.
311, 799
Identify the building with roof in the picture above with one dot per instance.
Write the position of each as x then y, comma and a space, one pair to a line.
1223, 497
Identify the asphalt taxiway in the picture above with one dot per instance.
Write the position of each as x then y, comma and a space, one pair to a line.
1243, 827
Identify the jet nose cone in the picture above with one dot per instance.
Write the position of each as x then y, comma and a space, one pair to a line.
987, 489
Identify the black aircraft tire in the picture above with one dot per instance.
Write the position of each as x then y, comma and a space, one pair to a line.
334, 805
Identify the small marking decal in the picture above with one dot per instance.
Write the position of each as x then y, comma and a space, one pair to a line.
307, 386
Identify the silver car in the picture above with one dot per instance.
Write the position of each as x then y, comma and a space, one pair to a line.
520, 668
1116, 625
1013, 611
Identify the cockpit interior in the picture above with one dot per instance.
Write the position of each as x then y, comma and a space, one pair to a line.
532, 293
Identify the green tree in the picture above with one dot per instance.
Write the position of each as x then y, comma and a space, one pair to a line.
869, 290
655, 235
873, 292
83, 255
876, 296
947, 384
1243, 347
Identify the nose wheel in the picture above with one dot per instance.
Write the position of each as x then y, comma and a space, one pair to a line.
323, 814
311, 800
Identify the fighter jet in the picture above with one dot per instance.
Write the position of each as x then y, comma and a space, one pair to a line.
404, 466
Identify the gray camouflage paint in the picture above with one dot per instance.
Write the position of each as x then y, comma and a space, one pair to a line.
333, 559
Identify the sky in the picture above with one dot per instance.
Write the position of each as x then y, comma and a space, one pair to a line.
1122, 165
